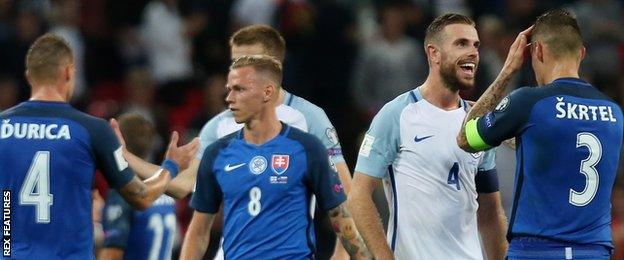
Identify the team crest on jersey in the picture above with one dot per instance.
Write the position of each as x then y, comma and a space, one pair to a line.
280, 163
258, 164
477, 154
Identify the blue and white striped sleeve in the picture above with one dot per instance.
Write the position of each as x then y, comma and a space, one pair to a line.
320, 126
208, 135
381, 142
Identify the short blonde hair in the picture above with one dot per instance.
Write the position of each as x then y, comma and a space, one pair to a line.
265, 35
46, 56
263, 64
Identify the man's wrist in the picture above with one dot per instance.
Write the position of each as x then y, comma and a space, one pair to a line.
171, 166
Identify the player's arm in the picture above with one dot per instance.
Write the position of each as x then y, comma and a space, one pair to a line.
492, 225
206, 201
347, 233
197, 236
493, 95
366, 216
182, 184
491, 219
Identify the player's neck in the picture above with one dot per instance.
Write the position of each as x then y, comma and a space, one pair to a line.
281, 97
561, 70
263, 128
434, 91
46, 93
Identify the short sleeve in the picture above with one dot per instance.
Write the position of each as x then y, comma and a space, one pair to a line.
320, 126
207, 136
506, 121
208, 195
489, 160
108, 156
380, 144
321, 178
116, 221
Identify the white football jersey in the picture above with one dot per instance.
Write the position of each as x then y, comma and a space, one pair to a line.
429, 181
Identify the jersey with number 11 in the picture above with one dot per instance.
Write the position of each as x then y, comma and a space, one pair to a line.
49, 152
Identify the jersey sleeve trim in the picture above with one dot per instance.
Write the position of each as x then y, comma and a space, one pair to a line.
475, 141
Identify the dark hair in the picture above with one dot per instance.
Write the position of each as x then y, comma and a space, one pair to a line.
138, 132
559, 31
440, 22
269, 38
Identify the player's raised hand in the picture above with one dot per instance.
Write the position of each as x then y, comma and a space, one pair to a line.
181, 154
115, 126
515, 57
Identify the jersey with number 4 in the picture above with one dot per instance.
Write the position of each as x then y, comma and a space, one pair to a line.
429, 181
569, 140
265, 190
49, 155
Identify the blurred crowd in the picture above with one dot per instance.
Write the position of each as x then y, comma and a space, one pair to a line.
167, 59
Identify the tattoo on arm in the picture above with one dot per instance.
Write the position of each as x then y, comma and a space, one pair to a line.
342, 223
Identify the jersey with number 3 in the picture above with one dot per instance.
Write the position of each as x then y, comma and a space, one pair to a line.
569, 140
429, 181
49, 155
265, 190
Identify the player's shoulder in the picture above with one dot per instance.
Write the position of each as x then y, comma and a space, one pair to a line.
221, 143
304, 106
55, 110
309, 141
396, 106
213, 124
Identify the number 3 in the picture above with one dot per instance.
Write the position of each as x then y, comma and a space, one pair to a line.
588, 168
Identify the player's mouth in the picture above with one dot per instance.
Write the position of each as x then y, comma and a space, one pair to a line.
468, 69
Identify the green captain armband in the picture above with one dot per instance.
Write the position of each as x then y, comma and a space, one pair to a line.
472, 135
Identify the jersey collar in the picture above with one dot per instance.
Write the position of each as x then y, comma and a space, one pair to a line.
574, 81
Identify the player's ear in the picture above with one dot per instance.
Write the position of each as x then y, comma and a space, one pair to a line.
269, 92
433, 54
539, 51
582, 53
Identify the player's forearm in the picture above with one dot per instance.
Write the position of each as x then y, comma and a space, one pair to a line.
141, 194
140, 167
111, 253
486, 103
197, 236
345, 176
369, 224
345, 229
492, 225
182, 185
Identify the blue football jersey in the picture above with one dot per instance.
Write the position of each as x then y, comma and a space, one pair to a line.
147, 234
49, 152
265, 190
569, 140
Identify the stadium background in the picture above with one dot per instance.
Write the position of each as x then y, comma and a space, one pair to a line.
167, 60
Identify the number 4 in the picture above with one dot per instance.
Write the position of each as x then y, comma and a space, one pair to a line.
38, 177
453, 177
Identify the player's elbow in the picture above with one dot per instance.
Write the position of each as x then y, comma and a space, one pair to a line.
462, 142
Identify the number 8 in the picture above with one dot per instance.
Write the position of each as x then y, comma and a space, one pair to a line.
254, 205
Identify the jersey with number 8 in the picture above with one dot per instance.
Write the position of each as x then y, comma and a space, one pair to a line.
569, 138
265, 191
49, 155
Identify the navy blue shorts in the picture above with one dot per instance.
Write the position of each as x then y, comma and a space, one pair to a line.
529, 248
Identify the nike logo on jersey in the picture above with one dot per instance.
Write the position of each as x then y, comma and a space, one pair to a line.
229, 168
416, 139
